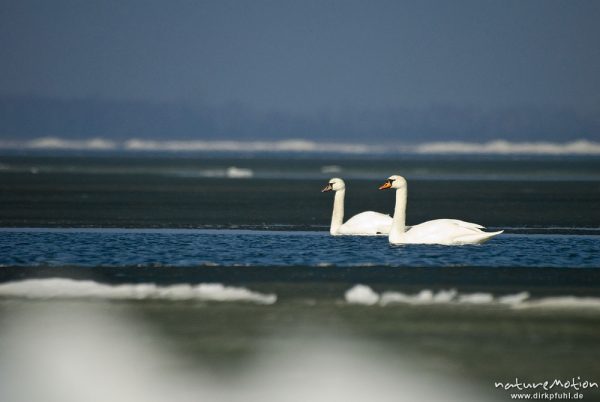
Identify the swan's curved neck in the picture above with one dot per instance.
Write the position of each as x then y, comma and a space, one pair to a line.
399, 222
337, 218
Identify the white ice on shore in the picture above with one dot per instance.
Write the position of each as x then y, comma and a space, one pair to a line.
362, 294
59, 288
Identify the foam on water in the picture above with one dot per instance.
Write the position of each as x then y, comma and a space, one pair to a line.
362, 294
499, 147
58, 288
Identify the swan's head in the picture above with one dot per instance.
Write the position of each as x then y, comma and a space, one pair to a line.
334, 184
394, 181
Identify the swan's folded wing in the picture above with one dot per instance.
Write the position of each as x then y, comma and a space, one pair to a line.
460, 223
445, 231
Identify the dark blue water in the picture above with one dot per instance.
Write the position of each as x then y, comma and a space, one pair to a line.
188, 248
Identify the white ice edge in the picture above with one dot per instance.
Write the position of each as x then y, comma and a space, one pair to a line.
59, 288
499, 146
364, 295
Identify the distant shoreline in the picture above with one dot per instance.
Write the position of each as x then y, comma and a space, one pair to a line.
582, 147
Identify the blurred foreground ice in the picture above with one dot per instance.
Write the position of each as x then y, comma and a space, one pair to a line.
79, 352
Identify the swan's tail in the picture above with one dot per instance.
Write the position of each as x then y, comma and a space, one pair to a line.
478, 238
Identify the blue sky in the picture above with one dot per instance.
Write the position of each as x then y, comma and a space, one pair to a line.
316, 60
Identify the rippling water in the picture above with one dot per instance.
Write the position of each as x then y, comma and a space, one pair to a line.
188, 248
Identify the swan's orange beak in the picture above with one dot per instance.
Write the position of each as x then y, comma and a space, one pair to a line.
327, 188
385, 185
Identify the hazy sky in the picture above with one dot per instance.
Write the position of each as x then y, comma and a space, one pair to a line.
304, 56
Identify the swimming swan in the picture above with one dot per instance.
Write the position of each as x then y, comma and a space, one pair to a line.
367, 223
438, 231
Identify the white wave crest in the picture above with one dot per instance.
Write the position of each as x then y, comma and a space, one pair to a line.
580, 147
297, 145
58, 143
362, 294
58, 288
499, 147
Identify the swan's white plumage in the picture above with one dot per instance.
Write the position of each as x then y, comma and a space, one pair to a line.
367, 223
438, 231
446, 231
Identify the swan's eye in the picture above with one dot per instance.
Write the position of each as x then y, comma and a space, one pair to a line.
390, 181
331, 184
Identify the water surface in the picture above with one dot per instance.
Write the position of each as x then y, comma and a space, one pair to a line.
189, 248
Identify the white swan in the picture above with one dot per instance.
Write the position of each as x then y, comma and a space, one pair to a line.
367, 223
438, 231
